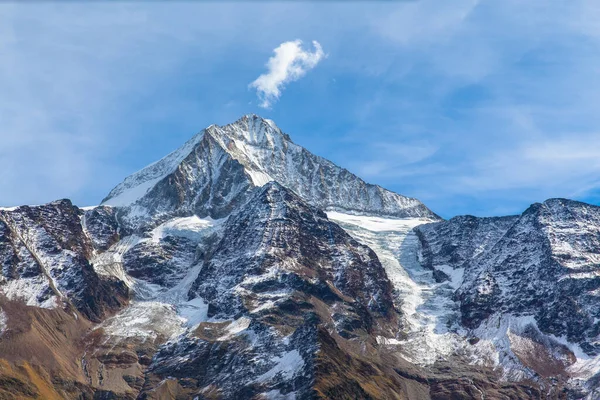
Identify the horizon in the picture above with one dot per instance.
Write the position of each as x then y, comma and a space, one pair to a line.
448, 107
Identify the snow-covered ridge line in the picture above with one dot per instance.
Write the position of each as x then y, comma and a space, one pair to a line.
260, 145
215, 170
137, 185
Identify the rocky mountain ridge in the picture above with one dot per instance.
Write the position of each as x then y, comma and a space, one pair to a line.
241, 266
537, 273
213, 172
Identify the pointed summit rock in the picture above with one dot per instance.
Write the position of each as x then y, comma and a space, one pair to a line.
212, 173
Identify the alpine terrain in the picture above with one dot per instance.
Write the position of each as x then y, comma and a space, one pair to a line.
242, 266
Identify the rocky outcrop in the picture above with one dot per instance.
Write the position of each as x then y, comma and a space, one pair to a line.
46, 257
278, 243
542, 265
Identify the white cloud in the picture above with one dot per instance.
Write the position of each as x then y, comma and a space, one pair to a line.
289, 64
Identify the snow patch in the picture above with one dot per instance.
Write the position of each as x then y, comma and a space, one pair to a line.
581, 275
277, 395
455, 275
110, 262
193, 228
377, 224
265, 305
3, 321
236, 327
287, 366
495, 347
390, 341
30, 291
194, 311
131, 195
259, 178
145, 320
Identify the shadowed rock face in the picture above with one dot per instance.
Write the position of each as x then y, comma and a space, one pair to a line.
101, 226
46, 261
216, 274
164, 263
277, 242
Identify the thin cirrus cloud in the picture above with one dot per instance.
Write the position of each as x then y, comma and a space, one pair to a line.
290, 63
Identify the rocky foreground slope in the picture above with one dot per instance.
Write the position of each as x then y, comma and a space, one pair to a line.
241, 266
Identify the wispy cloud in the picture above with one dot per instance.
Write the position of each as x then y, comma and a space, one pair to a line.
289, 64
562, 166
391, 159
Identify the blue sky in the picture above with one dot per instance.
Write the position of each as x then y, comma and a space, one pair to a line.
472, 107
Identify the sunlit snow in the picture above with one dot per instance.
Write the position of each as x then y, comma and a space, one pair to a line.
426, 305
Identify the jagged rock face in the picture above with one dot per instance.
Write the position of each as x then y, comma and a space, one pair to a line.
204, 182
45, 261
212, 173
459, 240
162, 263
279, 273
259, 361
455, 244
269, 154
543, 264
101, 226
278, 243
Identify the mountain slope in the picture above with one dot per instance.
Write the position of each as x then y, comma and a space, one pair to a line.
44, 255
280, 280
537, 275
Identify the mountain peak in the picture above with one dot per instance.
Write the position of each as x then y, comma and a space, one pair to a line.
253, 118
214, 170
251, 129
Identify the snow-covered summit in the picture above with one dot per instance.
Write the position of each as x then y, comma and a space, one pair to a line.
213, 171
139, 183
